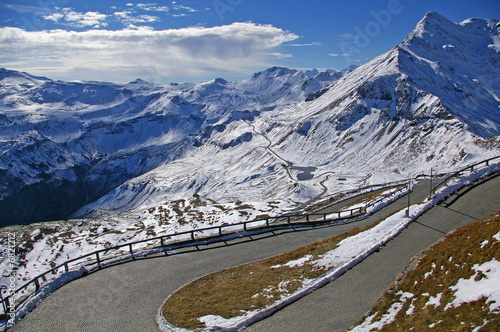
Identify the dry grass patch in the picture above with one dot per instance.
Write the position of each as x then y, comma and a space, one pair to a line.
440, 269
231, 292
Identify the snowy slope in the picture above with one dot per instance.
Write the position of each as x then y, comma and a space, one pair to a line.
411, 109
442, 49
64, 144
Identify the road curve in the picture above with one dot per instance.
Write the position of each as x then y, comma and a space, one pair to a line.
126, 297
341, 303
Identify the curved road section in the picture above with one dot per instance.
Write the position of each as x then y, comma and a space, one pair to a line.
127, 296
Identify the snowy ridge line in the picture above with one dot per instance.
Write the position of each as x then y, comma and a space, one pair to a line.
238, 323
28, 303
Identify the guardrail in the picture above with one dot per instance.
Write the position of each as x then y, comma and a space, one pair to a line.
130, 249
459, 172
212, 233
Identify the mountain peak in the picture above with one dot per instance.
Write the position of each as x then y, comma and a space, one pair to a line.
277, 72
312, 72
435, 16
6, 73
220, 81
430, 24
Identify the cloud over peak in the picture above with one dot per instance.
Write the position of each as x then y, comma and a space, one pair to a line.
124, 55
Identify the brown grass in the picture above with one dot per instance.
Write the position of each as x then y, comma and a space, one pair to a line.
247, 287
449, 261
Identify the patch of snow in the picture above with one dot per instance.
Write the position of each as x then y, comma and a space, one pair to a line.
434, 300
497, 236
298, 262
387, 318
478, 328
410, 310
433, 325
470, 290
427, 274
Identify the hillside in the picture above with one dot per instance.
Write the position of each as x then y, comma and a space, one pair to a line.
454, 285
65, 144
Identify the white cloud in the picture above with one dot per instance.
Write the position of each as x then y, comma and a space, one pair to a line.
76, 19
152, 7
278, 55
128, 19
308, 44
338, 54
124, 55
186, 8
348, 37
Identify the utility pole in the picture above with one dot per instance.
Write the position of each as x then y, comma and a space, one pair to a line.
407, 214
430, 190
366, 200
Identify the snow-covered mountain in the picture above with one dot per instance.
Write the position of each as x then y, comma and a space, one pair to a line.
431, 102
277, 139
65, 144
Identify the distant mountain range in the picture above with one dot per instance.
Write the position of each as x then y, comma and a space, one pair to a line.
277, 139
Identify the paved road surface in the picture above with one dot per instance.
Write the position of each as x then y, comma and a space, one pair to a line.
344, 301
126, 297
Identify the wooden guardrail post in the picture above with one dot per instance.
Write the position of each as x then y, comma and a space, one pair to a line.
98, 260
163, 245
5, 303
37, 283
430, 190
131, 252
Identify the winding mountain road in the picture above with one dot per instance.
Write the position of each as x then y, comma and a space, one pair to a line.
127, 296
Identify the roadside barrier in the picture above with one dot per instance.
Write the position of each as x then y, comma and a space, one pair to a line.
164, 242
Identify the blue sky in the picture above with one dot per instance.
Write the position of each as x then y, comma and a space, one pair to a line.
194, 40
